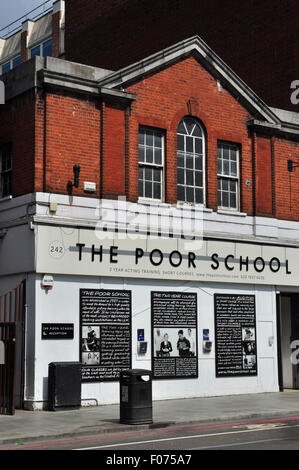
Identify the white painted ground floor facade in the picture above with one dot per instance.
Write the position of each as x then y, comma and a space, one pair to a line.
201, 316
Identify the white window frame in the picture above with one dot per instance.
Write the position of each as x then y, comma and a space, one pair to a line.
10, 61
153, 165
222, 176
41, 44
196, 204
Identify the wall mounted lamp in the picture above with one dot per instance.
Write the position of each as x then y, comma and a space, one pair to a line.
70, 185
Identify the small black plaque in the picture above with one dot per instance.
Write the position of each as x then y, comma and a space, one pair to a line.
57, 331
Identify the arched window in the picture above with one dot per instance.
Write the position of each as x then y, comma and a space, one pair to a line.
190, 156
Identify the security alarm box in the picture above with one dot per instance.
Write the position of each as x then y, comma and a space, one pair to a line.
47, 281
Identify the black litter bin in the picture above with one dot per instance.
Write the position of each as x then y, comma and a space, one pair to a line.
136, 397
64, 386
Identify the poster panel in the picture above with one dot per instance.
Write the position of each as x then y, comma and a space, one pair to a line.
174, 335
105, 333
235, 335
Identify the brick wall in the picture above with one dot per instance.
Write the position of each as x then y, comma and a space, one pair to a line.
17, 127
258, 40
54, 130
164, 99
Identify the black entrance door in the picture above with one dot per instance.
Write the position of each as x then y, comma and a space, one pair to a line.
7, 368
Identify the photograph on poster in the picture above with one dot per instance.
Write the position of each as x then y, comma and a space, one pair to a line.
249, 362
90, 358
248, 334
90, 338
175, 342
249, 347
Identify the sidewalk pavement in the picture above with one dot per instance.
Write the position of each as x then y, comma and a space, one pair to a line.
40, 425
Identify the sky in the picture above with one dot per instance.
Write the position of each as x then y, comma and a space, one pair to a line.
11, 10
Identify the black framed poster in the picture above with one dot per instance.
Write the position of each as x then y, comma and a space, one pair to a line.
174, 335
105, 333
235, 335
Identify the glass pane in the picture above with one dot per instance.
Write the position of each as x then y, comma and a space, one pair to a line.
158, 140
141, 194
158, 156
181, 128
141, 137
141, 154
225, 199
233, 154
189, 162
148, 174
198, 179
157, 190
148, 189
16, 61
181, 174
180, 142
181, 160
140, 173
157, 175
198, 146
35, 51
189, 125
190, 194
226, 167
189, 144
219, 166
198, 162
47, 48
190, 178
219, 198
233, 168
199, 196
233, 201
197, 131
149, 155
181, 193
149, 139
233, 186
224, 185
226, 152
6, 67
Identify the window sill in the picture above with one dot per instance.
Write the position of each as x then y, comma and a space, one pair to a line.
187, 205
231, 212
152, 202
6, 198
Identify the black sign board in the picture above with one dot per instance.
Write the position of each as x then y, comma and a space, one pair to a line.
105, 340
235, 335
57, 331
174, 335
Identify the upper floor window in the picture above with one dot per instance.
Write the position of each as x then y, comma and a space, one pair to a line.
228, 176
151, 163
191, 161
5, 170
11, 64
43, 50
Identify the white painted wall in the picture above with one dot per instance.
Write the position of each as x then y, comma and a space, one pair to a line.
61, 305
286, 332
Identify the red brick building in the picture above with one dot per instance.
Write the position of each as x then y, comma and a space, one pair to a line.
102, 172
